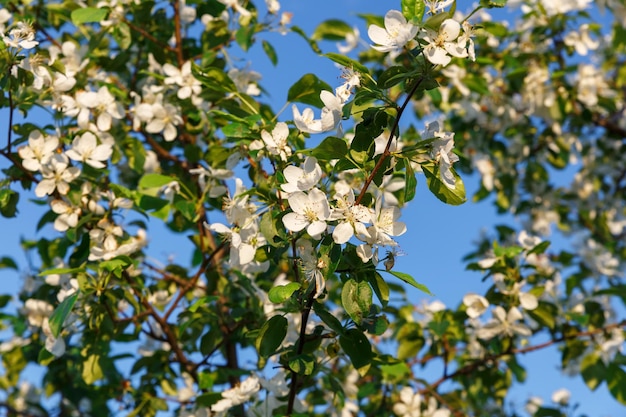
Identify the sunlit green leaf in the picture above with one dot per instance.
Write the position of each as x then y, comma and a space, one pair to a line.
409, 280
61, 313
89, 15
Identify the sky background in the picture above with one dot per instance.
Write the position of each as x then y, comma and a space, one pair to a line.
438, 235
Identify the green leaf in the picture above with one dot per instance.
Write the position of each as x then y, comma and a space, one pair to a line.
593, 370
410, 181
347, 62
155, 181
330, 148
60, 314
6, 262
409, 280
356, 298
311, 42
92, 371
330, 320
392, 76
307, 90
545, 314
413, 10
616, 380
202, 302
547, 412
454, 196
358, 348
490, 4
302, 364
282, 293
380, 287
88, 15
271, 335
331, 30
8, 202
270, 52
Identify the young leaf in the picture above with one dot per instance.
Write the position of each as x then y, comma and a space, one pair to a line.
307, 90
455, 196
413, 10
60, 314
88, 15
271, 336
281, 293
155, 181
358, 348
330, 148
347, 62
409, 280
332, 30
270, 52
356, 298
410, 181
616, 380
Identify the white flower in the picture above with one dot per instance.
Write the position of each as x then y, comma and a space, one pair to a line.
68, 215
310, 211
235, 5
57, 174
37, 311
245, 80
85, 149
561, 396
504, 323
182, 77
410, 404
528, 301
54, 345
276, 142
22, 36
312, 266
330, 116
273, 6
444, 157
396, 33
237, 395
352, 217
214, 177
302, 178
442, 44
435, 6
39, 150
476, 305
105, 106
352, 40
581, 40
166, 118
170, 190
243, 242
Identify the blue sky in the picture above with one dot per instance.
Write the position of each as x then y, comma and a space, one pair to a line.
438, 235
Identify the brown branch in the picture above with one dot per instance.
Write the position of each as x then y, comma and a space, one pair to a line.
149, 36
392, 134
467, 369
182, 359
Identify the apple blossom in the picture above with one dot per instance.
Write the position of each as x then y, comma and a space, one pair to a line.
396, 33
276, 142
302, 178
85, 149
57, 174
310, 211
504, 323
189, 86
39, 150
443, 45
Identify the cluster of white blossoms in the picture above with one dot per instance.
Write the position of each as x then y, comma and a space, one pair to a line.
311, 211
244, 232
410, 405
451, 39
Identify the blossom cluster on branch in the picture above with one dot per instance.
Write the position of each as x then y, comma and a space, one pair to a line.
290, 303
